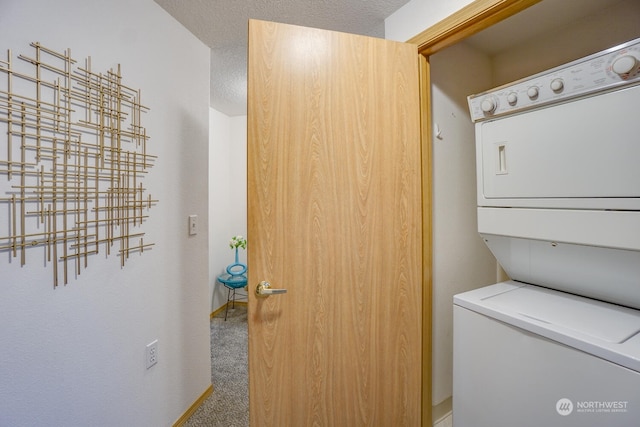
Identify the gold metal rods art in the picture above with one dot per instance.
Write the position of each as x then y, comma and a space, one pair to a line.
75, 156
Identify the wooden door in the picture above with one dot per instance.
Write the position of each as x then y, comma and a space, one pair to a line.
334, 217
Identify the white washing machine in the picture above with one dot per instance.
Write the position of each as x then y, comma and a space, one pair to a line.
528, 356
558, 170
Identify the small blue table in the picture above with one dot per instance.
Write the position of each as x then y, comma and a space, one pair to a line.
234, 279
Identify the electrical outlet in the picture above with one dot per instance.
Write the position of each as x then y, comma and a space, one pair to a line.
152, 354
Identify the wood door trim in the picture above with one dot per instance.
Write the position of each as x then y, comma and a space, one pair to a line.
469, 20
473, 18
427, 240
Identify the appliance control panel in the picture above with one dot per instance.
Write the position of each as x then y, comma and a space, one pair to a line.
603, 71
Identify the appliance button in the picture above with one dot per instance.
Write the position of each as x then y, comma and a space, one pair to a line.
624, 64
488, 105
533, 92
512, 98
557, 85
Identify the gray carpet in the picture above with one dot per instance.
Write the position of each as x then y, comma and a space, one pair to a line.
228, 405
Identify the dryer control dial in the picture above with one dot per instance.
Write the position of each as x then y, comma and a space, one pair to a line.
489, 105
623, 65
557, 85
533, 92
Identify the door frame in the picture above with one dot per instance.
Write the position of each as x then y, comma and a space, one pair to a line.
471, 19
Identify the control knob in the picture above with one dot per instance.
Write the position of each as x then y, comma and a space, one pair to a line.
557, 85
488, 105
512, 98
532, 92
624, 64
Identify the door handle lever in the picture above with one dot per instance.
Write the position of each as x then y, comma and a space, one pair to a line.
264, 289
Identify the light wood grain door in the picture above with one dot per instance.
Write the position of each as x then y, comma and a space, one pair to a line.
334, 217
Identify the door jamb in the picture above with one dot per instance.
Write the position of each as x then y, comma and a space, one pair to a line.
471, 19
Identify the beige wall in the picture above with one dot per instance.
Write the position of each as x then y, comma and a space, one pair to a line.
227, 196
583, 36
461, 260
75, 355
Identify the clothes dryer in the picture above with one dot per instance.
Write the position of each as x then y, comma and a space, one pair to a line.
557, 158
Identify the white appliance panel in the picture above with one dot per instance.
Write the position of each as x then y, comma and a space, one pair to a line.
504, 376
582, 316
608, 331
611, 229
585, 149
605, 274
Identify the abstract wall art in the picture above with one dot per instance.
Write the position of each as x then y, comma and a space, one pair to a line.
73, 162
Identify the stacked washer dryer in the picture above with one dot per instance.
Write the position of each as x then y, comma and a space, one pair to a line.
558, 170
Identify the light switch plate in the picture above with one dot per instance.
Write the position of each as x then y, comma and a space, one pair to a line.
193, 225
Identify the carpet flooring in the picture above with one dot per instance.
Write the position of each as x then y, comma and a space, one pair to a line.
228, 405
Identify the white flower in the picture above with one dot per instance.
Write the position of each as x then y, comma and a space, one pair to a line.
238, 242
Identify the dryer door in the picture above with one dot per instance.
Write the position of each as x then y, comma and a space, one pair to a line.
572, 154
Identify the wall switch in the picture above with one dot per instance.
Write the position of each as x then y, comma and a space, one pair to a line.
193, 225
152, 354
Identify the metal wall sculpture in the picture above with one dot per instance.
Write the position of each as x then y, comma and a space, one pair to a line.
75, 157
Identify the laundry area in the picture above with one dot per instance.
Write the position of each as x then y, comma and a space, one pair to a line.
553, 95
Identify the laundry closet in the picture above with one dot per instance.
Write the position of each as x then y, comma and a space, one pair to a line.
548, 34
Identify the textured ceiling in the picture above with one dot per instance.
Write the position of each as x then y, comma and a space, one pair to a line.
222, 25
